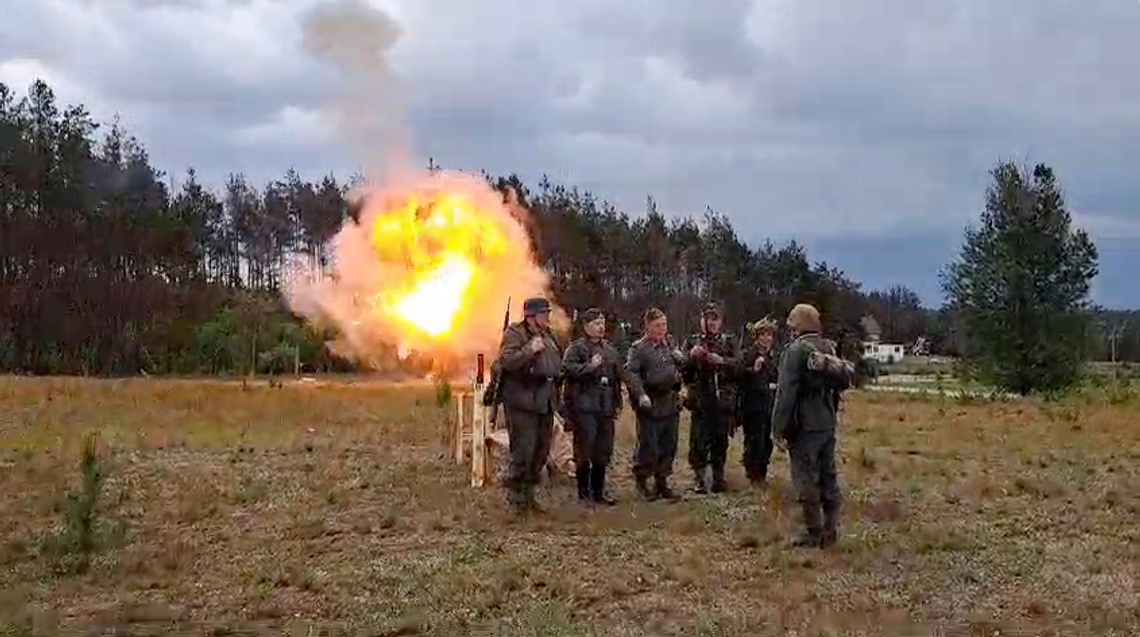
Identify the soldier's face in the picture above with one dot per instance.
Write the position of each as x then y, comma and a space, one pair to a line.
542, 320
595, 328
712, 322
657, 328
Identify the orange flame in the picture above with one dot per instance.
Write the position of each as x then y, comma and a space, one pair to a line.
427, 269
442, 238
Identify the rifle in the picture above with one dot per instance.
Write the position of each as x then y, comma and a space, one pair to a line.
492, 395
708, 341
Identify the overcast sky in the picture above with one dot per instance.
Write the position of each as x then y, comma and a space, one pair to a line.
864, 129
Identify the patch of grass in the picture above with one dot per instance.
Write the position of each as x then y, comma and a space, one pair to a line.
552, 618
443, 392
82, 531
332, 506
705, 514
250, 490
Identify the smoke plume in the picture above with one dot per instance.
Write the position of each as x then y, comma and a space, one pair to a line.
376, 259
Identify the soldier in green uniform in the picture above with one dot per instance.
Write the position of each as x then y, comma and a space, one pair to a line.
811, 378
593, 377
710, 372
653, 372
530, 363
757, 385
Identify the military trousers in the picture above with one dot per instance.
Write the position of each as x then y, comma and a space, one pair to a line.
530, 434
757, 426
593, 439
812, 456
708, 440
656, 445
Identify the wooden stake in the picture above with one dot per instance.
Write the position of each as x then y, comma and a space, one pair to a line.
479, 432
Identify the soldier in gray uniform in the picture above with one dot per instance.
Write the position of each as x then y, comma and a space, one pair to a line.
711, 374
530, 363
653, 371
811, 378
593, 375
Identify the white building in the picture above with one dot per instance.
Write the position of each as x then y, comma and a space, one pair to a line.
884, 352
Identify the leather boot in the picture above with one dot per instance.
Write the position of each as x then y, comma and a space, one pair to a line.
830, 534
516, 501
583, 475
530, 499
598, 485
700, 481
663, 490
718, 483
644, 491
812, 534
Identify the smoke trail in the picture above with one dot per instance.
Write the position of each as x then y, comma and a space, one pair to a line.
367, 264
357, 39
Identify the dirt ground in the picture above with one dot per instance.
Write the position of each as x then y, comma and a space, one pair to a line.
329, 508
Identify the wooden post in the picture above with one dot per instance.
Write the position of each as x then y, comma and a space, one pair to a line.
479, 464
477, 434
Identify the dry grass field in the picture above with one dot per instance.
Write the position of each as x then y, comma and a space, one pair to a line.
306, 510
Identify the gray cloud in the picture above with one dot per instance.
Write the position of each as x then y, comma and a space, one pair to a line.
814, 119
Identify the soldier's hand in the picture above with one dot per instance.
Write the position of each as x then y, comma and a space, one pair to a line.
537, 344
645, 402
597, 360
698, 351
759, 363
678, 354
716, 359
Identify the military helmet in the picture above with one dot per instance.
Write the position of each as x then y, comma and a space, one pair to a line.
804, 318
535, 306
591, 315
712, 308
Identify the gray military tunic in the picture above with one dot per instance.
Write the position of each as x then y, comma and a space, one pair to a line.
529, 395
652, 371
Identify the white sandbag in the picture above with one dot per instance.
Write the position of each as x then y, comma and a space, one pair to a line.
559, 463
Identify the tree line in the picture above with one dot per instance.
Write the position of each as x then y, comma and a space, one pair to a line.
107, 269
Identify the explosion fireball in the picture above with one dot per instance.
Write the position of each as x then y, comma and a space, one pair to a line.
434, 255
427, 268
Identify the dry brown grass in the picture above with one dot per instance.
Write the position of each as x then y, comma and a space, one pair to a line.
300, 509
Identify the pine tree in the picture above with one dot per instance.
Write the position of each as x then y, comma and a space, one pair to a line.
1020, 287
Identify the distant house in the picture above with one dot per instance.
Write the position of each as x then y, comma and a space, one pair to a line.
884, 352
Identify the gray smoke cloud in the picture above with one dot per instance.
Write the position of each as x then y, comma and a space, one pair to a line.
372, 268
356, 39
